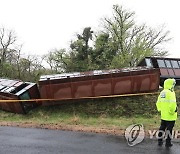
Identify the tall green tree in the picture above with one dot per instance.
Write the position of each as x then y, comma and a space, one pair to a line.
103, 52
130, 41
79, 55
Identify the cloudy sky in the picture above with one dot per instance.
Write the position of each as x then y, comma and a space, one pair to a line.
42, 25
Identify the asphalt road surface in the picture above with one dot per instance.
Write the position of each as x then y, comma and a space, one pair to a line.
15, 140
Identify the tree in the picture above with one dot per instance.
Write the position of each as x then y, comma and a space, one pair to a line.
57, 60
11, 65
103, 52
85, 37
50, 58
130, 41
9, 53
30, 68
7, 39
78, 58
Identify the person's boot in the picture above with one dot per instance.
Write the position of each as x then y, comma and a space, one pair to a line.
160, 142
168, 144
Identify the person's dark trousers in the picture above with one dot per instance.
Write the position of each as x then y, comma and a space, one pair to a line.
165, 126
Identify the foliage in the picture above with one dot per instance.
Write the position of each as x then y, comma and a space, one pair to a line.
132, 42
30, 68
56, 60
121, 43
80, 52
103, 52
12, 64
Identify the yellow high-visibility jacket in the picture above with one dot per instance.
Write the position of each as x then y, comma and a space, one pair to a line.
166, 103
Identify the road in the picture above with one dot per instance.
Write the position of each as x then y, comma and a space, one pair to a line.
15, 140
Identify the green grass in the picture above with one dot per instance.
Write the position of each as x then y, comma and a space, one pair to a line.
41, 117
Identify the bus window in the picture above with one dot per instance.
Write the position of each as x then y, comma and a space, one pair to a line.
161, 63
148, 62
174, 64
168, 63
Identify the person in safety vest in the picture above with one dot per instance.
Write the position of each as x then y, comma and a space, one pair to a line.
167, 106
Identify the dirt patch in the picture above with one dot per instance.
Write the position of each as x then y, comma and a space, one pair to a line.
104, 130
81, 128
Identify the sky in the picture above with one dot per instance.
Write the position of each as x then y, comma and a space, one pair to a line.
43, 25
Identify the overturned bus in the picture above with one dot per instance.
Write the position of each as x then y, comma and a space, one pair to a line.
18, 90
169, 67
98, 83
